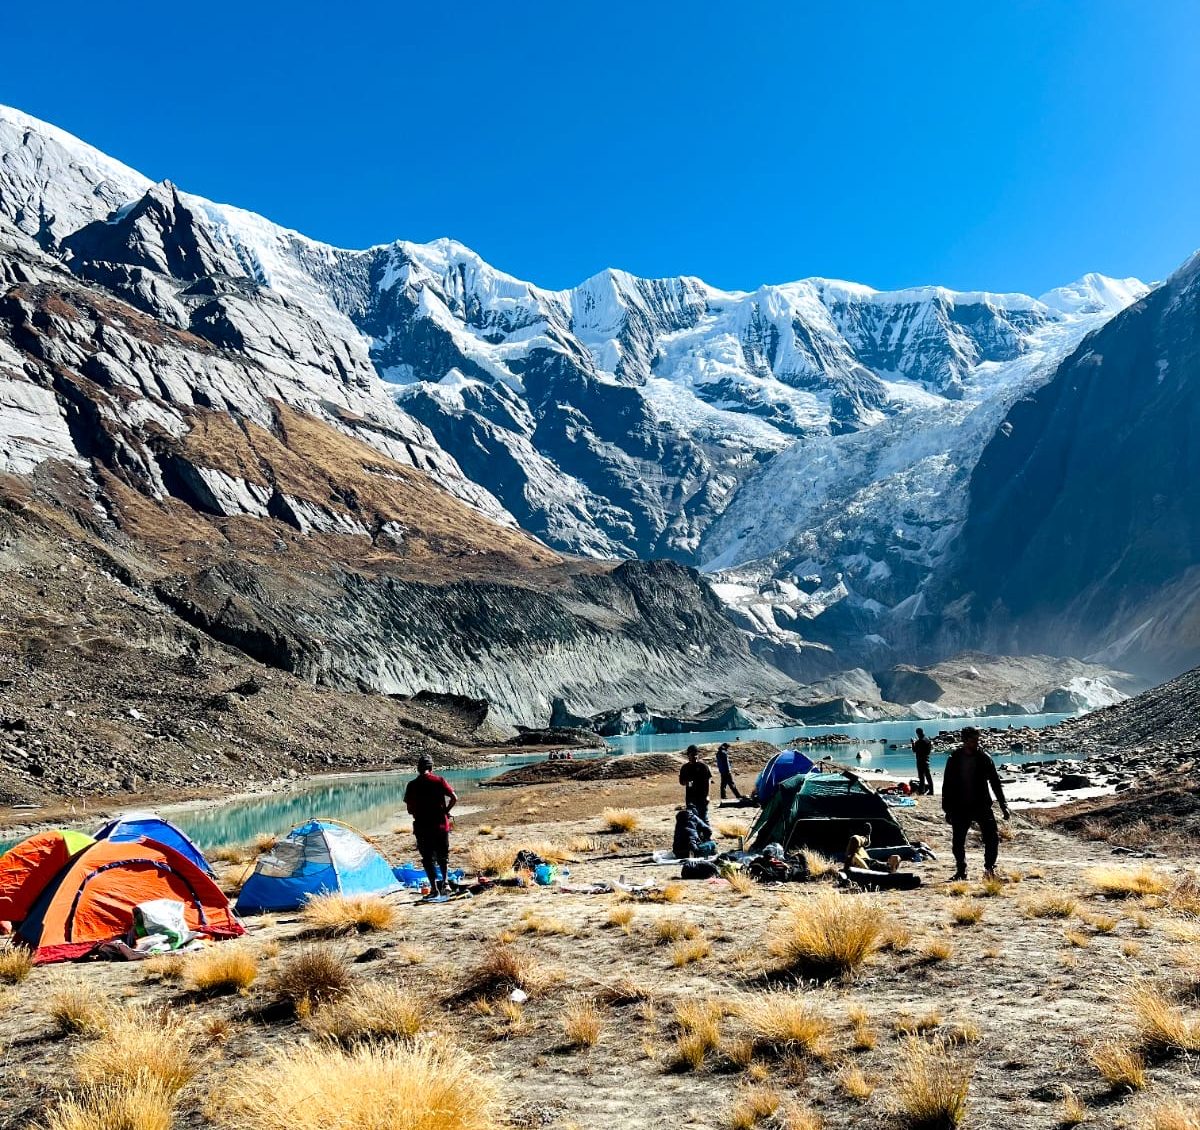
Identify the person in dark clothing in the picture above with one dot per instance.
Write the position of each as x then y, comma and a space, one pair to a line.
922, 747
695, 777
724, 771
429, 799
691, 830
967, 787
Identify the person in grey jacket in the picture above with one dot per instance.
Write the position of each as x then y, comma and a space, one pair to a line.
969, 781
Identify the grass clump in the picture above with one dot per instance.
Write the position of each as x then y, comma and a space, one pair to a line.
698, 1026
140, 1045
1121, 1066
221, 970
1171, 1116
425, 1086
371, 1012
1074, 1113
967, 912
782, 1022
1126, 882
621, 819
16, 963
499, 972
668, 931
754, 1106
690, 951
336, 914
79, 1010
144, 1105
931, 1086
533, 923
620, 917
1161, 1026
1050, 905
311, 977
854, 1084
164, 967
582, 1024
936, 950
828, 935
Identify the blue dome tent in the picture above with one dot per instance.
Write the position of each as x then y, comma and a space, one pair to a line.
134, 826
319, 857
786, 763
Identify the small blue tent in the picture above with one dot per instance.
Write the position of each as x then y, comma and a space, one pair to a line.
134, 826
786, 763
320, 857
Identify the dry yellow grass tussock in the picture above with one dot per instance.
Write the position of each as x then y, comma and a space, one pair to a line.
1121, 1066
79, 1010
783, 1022
620, 916
1161, 1025
698, 1024
144, 1105
854, 1084
582, 1023
828, 934
819, 865
311, 977
931, 1086
1126, 882
935, 950
372, 1011
753, 1106
621, 819
499, 972
1171, 1116
730, 829
1074, 1112
222, 969
336, 914
690, 951
740, 883
140, 1044
967, 912
16, 963
164, 967
667, 931
425, 1086
1050, 905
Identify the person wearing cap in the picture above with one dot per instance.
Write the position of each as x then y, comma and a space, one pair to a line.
725, 773
429, 799
922, 747
968, 783
695, 777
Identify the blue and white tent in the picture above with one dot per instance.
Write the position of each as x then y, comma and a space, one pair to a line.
134, 826
320, 857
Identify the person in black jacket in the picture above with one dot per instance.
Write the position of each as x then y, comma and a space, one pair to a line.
967, 787
691, 831
695, 777
922, 747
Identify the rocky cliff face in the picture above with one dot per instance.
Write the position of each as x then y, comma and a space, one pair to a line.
1084, 514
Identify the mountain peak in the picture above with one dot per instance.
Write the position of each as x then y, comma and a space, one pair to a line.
1095, 294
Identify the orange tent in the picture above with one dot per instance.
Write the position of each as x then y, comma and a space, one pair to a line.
29, 867
93, 899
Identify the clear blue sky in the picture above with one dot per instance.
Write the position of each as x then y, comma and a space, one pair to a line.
1003, 145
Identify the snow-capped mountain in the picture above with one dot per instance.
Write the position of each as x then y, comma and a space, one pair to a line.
810, 442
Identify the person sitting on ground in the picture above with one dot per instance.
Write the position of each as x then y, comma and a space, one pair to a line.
967, 786
856, 856
429, 800
725, 772
691, 831
695, 777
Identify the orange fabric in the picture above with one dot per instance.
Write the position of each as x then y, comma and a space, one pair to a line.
93, 901
28, 869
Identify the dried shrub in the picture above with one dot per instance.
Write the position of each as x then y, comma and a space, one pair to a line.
335, 914
828, 935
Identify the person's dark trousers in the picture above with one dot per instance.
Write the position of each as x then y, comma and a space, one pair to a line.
434, 848
924, 777
727, 782
960, 824
701, 806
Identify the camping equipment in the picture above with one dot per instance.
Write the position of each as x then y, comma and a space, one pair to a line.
318, 857
784, 765
29, 867
133, 826
820, 811
93, 899
882, 880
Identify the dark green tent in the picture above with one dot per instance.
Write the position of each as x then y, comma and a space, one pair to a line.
821, 811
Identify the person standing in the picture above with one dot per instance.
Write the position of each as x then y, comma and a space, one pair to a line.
967, 787
695, 777
725, 772
922, 747
429, 800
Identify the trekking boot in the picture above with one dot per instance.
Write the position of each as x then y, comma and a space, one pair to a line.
989, 874
959, 876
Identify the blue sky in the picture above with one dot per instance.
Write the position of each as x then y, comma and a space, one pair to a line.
1007, 146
